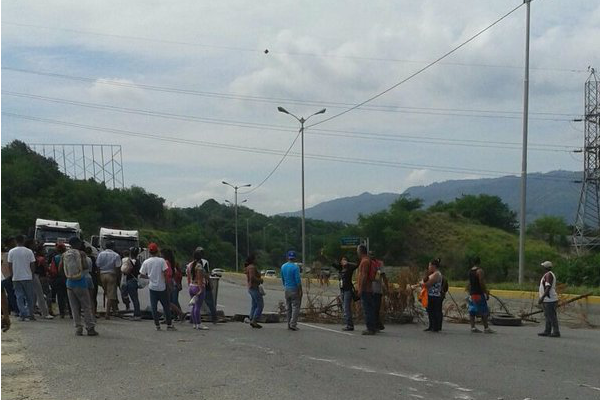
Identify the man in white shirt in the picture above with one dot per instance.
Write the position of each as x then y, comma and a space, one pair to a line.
155, 270
21, 262
109, 262
549, 300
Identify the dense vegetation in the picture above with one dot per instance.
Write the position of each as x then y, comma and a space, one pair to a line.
404, 234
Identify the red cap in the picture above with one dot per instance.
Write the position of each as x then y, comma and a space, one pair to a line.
153, 248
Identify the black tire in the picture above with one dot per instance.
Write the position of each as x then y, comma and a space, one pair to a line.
506, 320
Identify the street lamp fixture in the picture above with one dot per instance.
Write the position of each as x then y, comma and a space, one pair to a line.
235, 188
302, 120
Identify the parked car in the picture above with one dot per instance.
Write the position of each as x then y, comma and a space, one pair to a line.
218, 272
270, 273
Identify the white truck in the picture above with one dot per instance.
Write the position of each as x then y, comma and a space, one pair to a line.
48, 231
123, 239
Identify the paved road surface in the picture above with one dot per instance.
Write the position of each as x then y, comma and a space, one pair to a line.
232, 361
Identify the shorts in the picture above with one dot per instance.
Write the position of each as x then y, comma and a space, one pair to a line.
478, 305
109, 284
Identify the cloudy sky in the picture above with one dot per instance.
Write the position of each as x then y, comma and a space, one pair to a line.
196, 74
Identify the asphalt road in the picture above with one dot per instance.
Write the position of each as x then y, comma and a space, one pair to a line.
232, 361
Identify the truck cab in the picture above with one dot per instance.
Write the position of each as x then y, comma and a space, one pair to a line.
52, 232
123, 239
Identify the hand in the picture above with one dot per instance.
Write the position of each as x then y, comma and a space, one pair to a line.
541, 301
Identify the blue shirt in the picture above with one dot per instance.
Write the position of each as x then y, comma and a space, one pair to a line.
290, 276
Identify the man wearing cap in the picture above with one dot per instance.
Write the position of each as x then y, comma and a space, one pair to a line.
155, 270
292, 283
549, 300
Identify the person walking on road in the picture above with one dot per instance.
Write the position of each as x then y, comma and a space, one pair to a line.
21, 263
197, 289
549, 300
108, 263
478, 296
130, 268
7, 283
174, 278
75, 265
39, 276
347, 291
155, 270
254, 280
365, 289
209, 298
292, 284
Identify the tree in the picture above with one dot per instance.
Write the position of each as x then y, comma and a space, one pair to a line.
553, 230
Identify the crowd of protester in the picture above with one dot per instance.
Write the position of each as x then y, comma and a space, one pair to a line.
34, 280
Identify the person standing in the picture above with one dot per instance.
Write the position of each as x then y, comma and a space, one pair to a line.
292, 284
478, 296
197, 289
108, 263
155, 270
433, 283
76, 269
39, 275
253, 281
95, 276
7, 283
21, 263
130, 269
549, 300
347, 291
58, 282
174, 278
380, 286
209, 298
365, 289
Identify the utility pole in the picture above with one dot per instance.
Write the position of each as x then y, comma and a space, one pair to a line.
302, 120
237, 253
523, 219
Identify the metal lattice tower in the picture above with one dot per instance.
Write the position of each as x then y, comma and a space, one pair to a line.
100, 162
587, 224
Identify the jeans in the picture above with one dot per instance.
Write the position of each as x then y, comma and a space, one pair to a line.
79, 299
257, 304
368, 306
434, 312
210, 303
59, 288
39, 296
162, 296
174, 296
25, 297
377, 299
551, 317
347, 301
293, 299
7, 285
132, 291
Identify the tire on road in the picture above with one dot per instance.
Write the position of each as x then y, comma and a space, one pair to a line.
506, 320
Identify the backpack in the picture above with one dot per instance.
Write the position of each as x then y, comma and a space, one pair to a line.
374, 270
73, 264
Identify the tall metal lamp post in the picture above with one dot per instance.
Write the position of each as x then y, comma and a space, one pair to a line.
237, 255
302, 120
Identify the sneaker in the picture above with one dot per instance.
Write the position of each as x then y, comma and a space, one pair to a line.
475, 330
255, 325
92, 332
381, 327
348, 328
555, 334
137, 318
293, 328
79, 332
427, 330
157, 327
32, 318
171, 328
49, 317
22, 319
368, 332
543, 334
202, 327
488, 330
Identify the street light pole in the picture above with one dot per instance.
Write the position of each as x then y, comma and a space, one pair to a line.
237, 254
522, 220
302, 120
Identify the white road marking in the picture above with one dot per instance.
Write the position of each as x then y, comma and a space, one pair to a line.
324, 329
590, 387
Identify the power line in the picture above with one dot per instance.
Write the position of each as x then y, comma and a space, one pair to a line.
261, 52
426, 67
452, 112
259, 150
321, 132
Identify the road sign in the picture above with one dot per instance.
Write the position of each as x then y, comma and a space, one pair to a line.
349, 242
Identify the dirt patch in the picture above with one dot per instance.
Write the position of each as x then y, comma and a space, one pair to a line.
20, 379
